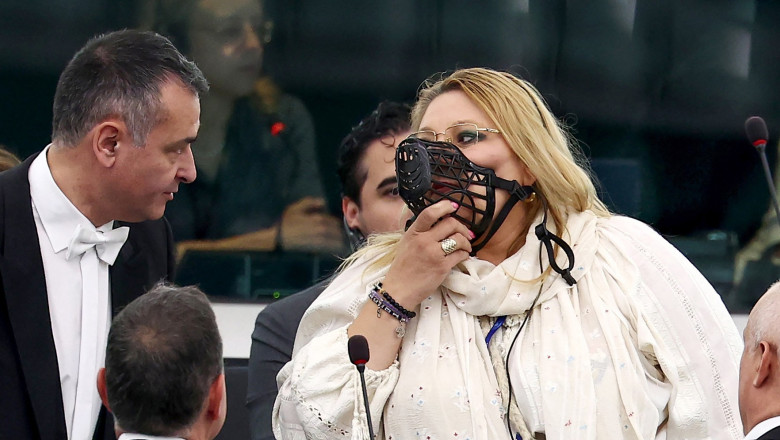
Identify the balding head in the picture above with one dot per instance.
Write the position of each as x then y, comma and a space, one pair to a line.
759, 369
163, 374
763, 323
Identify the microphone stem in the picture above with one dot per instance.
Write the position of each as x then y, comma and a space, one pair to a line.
365, 401
762, 152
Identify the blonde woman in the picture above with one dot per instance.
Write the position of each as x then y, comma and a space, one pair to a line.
516, 308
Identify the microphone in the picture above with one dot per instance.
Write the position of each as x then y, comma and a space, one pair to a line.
757, 134
756, 131
357, 346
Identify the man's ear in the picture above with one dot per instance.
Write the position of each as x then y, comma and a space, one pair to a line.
351, 212
101, 386
106, 138
217, 394
766, 364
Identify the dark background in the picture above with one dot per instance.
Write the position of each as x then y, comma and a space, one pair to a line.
667, 83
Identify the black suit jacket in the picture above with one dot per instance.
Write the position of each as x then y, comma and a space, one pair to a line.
272, 346
30, 393
774, 434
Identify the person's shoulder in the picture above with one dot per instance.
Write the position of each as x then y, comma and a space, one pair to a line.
8, 176
290, 106
771, 435
629, 225
150, 234
16, 174
288, 100
629, 233
634, 237
15, 187
287, 312
148, 227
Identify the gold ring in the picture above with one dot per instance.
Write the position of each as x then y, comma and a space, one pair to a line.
448, 245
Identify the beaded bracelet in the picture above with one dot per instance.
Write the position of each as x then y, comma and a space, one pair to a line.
387, 307
378, 289
400, 331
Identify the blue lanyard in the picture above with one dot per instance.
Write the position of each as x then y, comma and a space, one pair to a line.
497, 325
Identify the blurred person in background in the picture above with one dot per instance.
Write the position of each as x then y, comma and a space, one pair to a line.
370, 204
259, 185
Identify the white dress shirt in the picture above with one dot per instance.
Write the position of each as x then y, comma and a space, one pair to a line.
762, 428
78, 296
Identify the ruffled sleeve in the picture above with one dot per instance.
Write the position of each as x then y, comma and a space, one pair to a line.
320, 396
697, 345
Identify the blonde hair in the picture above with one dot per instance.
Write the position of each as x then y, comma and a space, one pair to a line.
533, 133
7, 159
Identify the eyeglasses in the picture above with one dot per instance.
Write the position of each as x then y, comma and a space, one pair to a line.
234, 31
463, 135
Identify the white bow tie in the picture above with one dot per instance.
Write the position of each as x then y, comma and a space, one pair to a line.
107, 245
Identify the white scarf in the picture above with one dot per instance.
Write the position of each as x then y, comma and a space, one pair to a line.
448, 356
596, 355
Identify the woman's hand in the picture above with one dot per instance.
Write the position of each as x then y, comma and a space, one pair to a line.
420, 264
419, 267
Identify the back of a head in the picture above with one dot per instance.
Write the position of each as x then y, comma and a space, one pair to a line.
164, 352
119, 73
388, 119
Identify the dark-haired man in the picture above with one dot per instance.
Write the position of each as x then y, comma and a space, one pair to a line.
370, 204
163, 374
126, 109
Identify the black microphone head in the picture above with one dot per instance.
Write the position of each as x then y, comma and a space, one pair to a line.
756, 130
357, 346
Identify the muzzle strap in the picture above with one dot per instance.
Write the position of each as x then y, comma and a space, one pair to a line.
517, 193
547, 238
429, 171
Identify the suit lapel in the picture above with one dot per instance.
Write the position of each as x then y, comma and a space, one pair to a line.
127, 273
774, 434
28, 306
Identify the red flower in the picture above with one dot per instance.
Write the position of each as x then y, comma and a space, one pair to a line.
277, 127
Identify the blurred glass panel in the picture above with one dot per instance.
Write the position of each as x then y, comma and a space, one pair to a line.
261, 276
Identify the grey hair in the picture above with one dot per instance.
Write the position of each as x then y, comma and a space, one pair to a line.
164, 352
119, 74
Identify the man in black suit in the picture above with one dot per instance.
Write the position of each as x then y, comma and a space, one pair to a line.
759, 369
370, 204
126, 109
163, 374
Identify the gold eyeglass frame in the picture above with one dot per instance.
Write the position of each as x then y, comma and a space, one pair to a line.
462, 124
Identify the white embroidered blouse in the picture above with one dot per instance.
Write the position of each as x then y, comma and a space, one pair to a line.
641, 347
